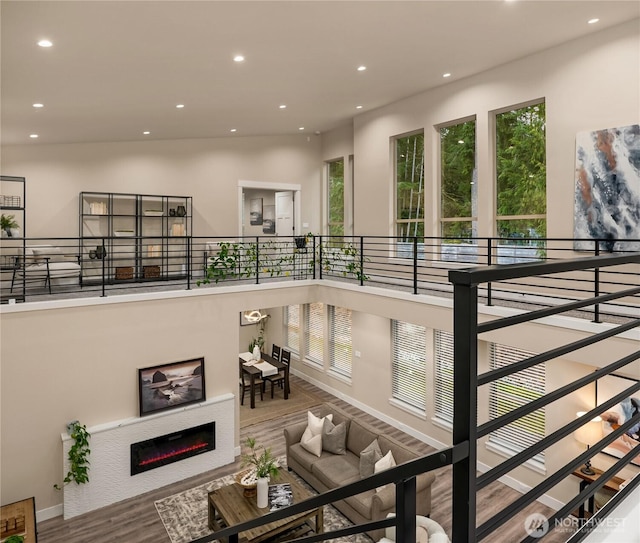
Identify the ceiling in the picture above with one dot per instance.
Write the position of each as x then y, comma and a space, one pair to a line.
118, 68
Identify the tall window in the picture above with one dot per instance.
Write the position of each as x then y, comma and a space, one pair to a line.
292, 327
458, 200
335, 182
340, 339
314, 332
409, 364
511, 392
521, 173
409, 158
443, 390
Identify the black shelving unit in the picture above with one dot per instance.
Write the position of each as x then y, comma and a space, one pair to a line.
13, 202
134, 237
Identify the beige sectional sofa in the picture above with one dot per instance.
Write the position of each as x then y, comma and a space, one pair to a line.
330, 470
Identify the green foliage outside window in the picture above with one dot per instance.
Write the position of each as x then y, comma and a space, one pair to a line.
457, 169
521, 172
336, 197
410, 186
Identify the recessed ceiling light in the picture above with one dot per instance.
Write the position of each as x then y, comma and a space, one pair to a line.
180, 106
592, 21
45, 43
146, 132
283, 106
233, 130
238, 58
301, 128
38, 105
362, 68
34, 136
446, 75
358, 107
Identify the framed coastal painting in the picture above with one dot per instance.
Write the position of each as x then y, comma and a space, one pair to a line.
610, 386
607, 190
167, 386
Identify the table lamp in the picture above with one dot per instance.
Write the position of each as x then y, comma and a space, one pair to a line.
588, 434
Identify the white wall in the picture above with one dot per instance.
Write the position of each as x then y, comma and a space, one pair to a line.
587, 84
207, 169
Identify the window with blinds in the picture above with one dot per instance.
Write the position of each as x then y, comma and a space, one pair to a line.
409, 364
510, 392
340, 339
292, 327
443, 390
314, 332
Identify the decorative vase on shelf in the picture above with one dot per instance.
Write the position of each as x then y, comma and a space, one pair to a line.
256, 352
262, 497
181, 211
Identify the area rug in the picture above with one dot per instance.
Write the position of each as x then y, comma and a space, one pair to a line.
269, 409
184, 515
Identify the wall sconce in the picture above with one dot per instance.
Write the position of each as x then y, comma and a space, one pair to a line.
588, 434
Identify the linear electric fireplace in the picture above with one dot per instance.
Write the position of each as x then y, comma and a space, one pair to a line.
169, 448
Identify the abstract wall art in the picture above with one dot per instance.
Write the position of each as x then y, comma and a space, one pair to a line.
607, 190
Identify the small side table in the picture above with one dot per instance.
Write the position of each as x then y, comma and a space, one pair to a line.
612, 484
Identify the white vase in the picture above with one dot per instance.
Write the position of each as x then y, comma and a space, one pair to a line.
256, 353
262, 497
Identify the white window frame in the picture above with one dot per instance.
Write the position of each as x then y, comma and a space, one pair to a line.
311, 339
291, 329
403, 389
340, 354
443, 378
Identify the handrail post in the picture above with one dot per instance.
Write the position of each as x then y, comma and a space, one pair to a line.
596, 286
406, 510
104, 276
415, 264
189, 253
489, 262
320, 256
361, 260
465, 401
257, 260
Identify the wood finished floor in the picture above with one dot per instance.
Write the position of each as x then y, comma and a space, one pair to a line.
136, 519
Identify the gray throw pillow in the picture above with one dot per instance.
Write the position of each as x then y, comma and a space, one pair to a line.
368, 458
334, 437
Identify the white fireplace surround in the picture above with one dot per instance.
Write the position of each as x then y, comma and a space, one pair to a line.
110, 478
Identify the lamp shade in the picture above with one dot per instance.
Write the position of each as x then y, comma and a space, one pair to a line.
588, 433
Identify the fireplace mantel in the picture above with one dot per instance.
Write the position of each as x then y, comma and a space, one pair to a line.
110, 479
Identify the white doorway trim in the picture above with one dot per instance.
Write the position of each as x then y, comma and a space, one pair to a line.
265, 185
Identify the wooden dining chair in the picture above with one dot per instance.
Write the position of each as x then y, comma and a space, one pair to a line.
278, 379
245, 384
275, 352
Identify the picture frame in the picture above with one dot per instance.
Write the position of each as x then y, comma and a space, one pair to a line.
255, 211
607, 387
172, 385
269, 220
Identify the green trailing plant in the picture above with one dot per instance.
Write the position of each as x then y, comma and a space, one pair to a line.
15, 539
78, 455
225, 264
261, 458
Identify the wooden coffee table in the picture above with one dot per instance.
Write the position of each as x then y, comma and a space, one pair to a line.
229, 507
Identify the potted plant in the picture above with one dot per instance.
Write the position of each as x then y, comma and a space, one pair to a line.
78, 455
9, 225
265, 466
15, 539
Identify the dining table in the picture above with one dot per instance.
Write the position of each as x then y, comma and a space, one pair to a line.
252, 371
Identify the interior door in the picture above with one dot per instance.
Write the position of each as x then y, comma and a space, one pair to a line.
284, 214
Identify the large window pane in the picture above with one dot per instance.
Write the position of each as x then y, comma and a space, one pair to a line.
340, 339
292, 327
314, 332
335, 191
409, 364
511, 392
409, 156
458, 202
443, 390
521, 172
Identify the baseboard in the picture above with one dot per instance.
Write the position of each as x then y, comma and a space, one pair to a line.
505, 479
49, 513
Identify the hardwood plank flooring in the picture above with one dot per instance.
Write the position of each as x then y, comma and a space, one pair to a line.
136, 519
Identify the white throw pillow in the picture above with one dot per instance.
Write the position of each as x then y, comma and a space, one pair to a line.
311, 443
315, 424
386, 462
